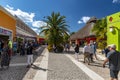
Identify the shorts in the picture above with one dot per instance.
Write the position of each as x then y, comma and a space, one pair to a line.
114, 73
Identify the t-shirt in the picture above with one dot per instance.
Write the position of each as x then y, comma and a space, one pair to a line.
114, 60
29, 50
86, 49
77, 49
92, 49
10, 44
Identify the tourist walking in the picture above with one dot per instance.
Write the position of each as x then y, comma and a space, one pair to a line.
22, 49
67, 47
14, 48
29, 55
76, 52
95, 48
106, 51
113, 57
10, 45
86, 53
5, 57
91, 51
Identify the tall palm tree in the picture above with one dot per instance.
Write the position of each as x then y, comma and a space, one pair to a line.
56, 28
100, 29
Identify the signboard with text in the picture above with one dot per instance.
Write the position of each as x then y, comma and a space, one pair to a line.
5, 32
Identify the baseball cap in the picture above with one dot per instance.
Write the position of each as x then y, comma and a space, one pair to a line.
112, 46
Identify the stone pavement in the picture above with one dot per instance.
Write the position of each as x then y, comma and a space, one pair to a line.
96, 66
62, 68
18, 70
55, 66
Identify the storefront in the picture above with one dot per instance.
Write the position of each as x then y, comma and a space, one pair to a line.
5, 34
24, 35
7, 25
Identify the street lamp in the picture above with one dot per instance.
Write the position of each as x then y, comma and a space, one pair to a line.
111, 28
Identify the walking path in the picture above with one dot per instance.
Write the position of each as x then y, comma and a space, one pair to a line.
62, 68
55, 66
18, 70
42, 74
89, 72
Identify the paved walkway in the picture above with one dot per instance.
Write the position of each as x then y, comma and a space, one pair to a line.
55, 66
62, 68
18, 70
96, 66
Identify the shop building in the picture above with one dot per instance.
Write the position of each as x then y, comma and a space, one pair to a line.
113, 30
24, 32
7, 25
84, 34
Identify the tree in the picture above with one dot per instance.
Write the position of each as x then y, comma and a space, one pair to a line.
66, 38
55, 30
72, 33
100, 29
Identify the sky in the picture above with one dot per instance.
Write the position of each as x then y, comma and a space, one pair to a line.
77, 12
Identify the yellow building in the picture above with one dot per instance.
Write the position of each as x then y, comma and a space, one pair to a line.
7, 25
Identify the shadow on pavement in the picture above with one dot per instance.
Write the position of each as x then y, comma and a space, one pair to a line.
38, 68
18, 72
97, 65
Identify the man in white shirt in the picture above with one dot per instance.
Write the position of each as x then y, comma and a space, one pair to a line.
86, 52
91, 51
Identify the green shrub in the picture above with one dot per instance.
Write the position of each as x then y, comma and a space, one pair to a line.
50, 48
102, 44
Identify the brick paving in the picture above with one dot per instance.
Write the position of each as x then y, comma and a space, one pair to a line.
62, 68
96, 66
18, 72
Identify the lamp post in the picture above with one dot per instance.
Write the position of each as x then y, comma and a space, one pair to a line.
112, 28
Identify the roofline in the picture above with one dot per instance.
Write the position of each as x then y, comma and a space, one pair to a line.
7, 12
17, 18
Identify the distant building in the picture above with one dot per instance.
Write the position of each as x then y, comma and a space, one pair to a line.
40, 40
84, 34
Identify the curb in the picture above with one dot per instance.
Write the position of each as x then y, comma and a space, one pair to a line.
27, 77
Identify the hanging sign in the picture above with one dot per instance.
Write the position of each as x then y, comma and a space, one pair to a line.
6, 32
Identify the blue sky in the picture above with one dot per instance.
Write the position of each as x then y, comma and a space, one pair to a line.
77, 12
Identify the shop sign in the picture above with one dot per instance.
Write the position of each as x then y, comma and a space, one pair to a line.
6, 32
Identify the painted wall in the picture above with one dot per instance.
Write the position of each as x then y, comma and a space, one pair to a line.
114, 36
8, 22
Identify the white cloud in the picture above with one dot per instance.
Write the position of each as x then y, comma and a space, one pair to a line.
84, 19
38, 24
36, 30
9, 7
116, 1
79, 22
25, 16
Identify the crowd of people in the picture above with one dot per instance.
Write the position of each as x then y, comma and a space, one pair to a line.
89, 50
111, 54
9, 49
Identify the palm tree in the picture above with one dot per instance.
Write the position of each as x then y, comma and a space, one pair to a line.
100, 29
55, 30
